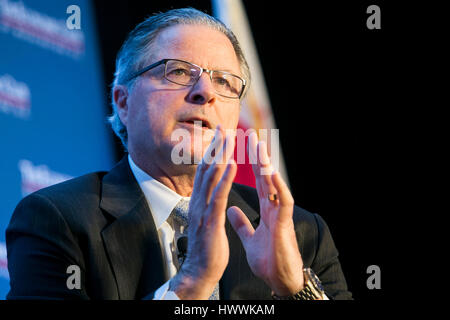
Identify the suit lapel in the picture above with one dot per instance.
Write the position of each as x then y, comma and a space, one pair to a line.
131, 240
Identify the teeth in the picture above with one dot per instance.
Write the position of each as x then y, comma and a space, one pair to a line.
199, 123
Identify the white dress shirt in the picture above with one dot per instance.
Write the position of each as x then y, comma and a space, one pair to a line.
161, 201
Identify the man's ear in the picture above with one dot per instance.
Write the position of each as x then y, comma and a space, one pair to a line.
120, 96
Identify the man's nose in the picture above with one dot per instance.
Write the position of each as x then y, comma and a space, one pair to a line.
202, 92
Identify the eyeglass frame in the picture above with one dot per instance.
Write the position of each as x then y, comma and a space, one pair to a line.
210, 72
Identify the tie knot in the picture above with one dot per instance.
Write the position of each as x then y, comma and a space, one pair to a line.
181, 212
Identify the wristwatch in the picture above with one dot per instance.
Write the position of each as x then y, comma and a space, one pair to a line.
312, 290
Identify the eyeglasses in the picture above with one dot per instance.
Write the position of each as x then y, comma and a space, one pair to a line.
187, 74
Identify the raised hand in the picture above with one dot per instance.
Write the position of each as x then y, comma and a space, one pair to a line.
272, 250
208, 249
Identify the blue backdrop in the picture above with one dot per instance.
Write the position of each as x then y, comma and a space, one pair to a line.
52, 102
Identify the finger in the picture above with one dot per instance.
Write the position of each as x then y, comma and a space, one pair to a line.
227, 148
216, 169
207, 159
240, 224
265, 170
286, 201
264, 160
262, 167
223, 187
219, 198
215, 145
223, 160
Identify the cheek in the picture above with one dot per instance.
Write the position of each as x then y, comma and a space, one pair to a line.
138, 115
162, 110
149, 111
230, 118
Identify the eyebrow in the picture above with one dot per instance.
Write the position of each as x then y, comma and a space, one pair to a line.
229, 71
238, 73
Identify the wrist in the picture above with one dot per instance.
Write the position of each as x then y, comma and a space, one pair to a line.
288, 284
288, 289
312, 289
188, 287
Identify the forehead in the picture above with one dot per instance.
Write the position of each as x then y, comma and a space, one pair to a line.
198, 44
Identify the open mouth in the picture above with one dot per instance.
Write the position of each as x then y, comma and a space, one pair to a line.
204, 124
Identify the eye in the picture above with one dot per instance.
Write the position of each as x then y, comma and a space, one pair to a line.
222, 82
179, 72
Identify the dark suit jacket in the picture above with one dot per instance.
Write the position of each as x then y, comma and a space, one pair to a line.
101, 222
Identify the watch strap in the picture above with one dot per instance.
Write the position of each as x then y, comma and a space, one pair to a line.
307, 293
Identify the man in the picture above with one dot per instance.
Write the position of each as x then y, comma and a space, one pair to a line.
177, 70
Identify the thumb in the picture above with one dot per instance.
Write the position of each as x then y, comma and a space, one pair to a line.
240, 224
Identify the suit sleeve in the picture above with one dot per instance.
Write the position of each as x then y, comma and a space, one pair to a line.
41, 247
326, 264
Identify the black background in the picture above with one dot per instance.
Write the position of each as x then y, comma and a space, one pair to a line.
338, 94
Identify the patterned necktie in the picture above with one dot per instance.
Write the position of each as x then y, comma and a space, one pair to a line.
180, 216
181, 213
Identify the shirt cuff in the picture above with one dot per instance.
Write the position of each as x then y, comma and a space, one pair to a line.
163, 293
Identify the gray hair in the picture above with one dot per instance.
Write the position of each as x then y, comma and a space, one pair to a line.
136, 50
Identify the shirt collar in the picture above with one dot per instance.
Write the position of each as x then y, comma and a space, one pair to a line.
160, 198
